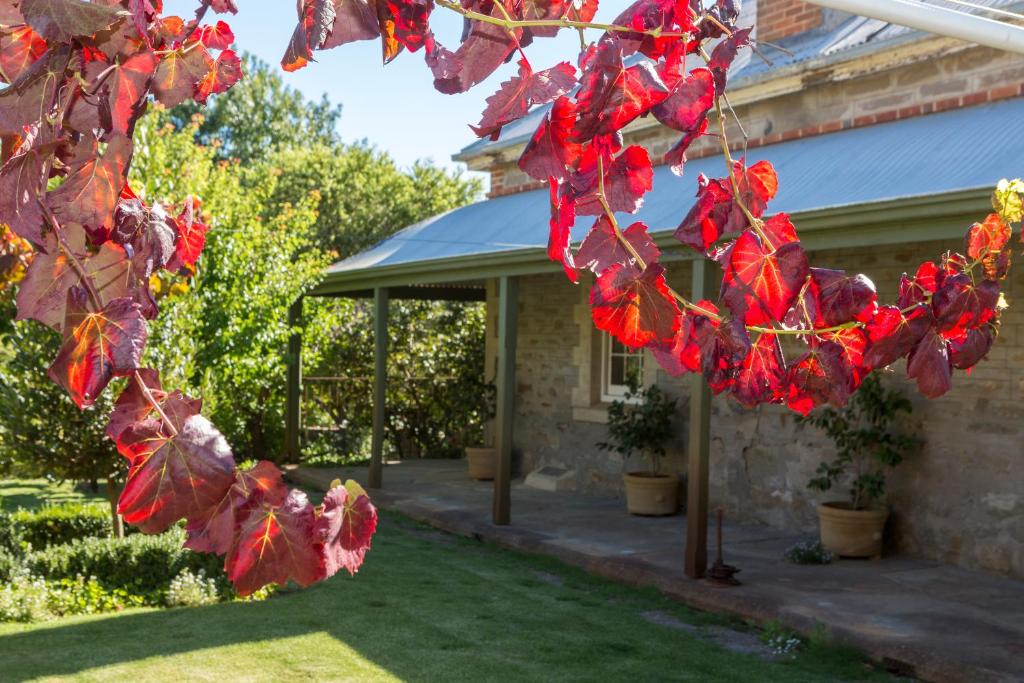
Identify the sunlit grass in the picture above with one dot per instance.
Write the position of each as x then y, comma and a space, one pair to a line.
35, 493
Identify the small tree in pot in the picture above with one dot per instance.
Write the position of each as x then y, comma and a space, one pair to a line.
866, 447
482, 459
641, 422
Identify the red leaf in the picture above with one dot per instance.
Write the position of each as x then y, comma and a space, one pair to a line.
97, 345
843, 298
226, 71
822, 375
960, 304
892, 334
602, 248
411, 21
89, 194
21, 179
345, 527
626, 180
485, 49
550, 153
126, 88
972, 347
760, 285
723, 346
611, 95
853, 341
514, 98
758, 185
682, 354
635, 307
779, 229
687, 105
563, 216
132, 405
274, 544
191, 233
20, 47
930, 364
179, 73
42, 295
215, 531
676, 156
316, 20
762, 372
173, 477
709, 216
988, 237
723, 55
59, 21
216, 37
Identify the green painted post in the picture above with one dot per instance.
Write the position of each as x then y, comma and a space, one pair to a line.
508, 315
380, 378
704, 283
293, 405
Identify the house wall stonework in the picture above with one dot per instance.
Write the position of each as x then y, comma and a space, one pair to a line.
960, 500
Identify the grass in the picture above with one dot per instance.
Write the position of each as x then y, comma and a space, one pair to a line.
427, 606
33, 494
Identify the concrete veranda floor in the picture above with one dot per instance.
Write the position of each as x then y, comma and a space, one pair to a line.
924, 619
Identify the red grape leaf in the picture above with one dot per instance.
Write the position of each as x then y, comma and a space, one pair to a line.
723, 55
843, 298
410, 20
31, 96
762, 372
676, 156
275, 543
173, 477
563, 216
59, 21
316, 21
687, 105
779, 229
550, 153
601, 248
820, 376
345, 527
484, 49
191, 233
442, 62
892, 334
226, 71
514, 98
966, 352
987, 237
89, 194
354, 20
21, 178
626, 180
706, 220
682, 354
961, 304
20, 47
97, 345
215, 531
611, 95
760, 285
131, 405
216, 37
633, 306
930, 364
723, 346
179, 73
42, 295
126, 88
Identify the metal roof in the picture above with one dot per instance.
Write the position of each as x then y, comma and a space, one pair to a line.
962, 149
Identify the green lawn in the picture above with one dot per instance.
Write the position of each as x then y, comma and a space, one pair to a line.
34, 493
427, 606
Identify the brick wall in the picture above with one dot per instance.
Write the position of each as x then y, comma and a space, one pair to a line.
778, 19
961, 500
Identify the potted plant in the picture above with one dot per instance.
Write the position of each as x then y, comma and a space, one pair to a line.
866, 447
481, 458
641, 423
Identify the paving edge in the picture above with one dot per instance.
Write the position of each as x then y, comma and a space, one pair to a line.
907, 660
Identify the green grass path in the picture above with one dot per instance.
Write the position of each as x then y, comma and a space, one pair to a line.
427, 606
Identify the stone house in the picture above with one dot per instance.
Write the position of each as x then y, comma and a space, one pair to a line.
887, 142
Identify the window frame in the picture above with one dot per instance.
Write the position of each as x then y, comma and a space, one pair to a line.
616, 392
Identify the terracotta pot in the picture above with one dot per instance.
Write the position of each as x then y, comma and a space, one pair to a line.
651, 494
852, 533
483, 463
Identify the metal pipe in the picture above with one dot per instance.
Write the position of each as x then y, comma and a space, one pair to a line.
938, 20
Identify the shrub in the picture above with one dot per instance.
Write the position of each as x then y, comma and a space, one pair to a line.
24, 598
9, 561
10, 539
59, 524
192, 590
88, 596
640, 422
808, 552
139, 564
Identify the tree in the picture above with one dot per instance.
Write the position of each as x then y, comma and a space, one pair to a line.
81, 75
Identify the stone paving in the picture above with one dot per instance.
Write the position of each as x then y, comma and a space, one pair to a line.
923, 619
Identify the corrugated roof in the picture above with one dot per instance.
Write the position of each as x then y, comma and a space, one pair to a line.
855, 35
936, 154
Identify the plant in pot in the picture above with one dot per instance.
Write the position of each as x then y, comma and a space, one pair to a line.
481, 458
641, 423
866, 448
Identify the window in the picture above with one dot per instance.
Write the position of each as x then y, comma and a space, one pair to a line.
617, 362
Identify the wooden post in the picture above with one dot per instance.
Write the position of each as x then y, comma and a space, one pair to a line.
380, 379
508, 315
293, 405
699, 445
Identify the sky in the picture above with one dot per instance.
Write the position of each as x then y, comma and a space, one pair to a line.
394, 107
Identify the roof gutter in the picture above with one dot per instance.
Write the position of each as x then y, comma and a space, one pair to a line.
905, 220
938, 20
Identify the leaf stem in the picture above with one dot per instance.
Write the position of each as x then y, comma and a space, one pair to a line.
154, 404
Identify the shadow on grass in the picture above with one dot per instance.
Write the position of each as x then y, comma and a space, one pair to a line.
33, 494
